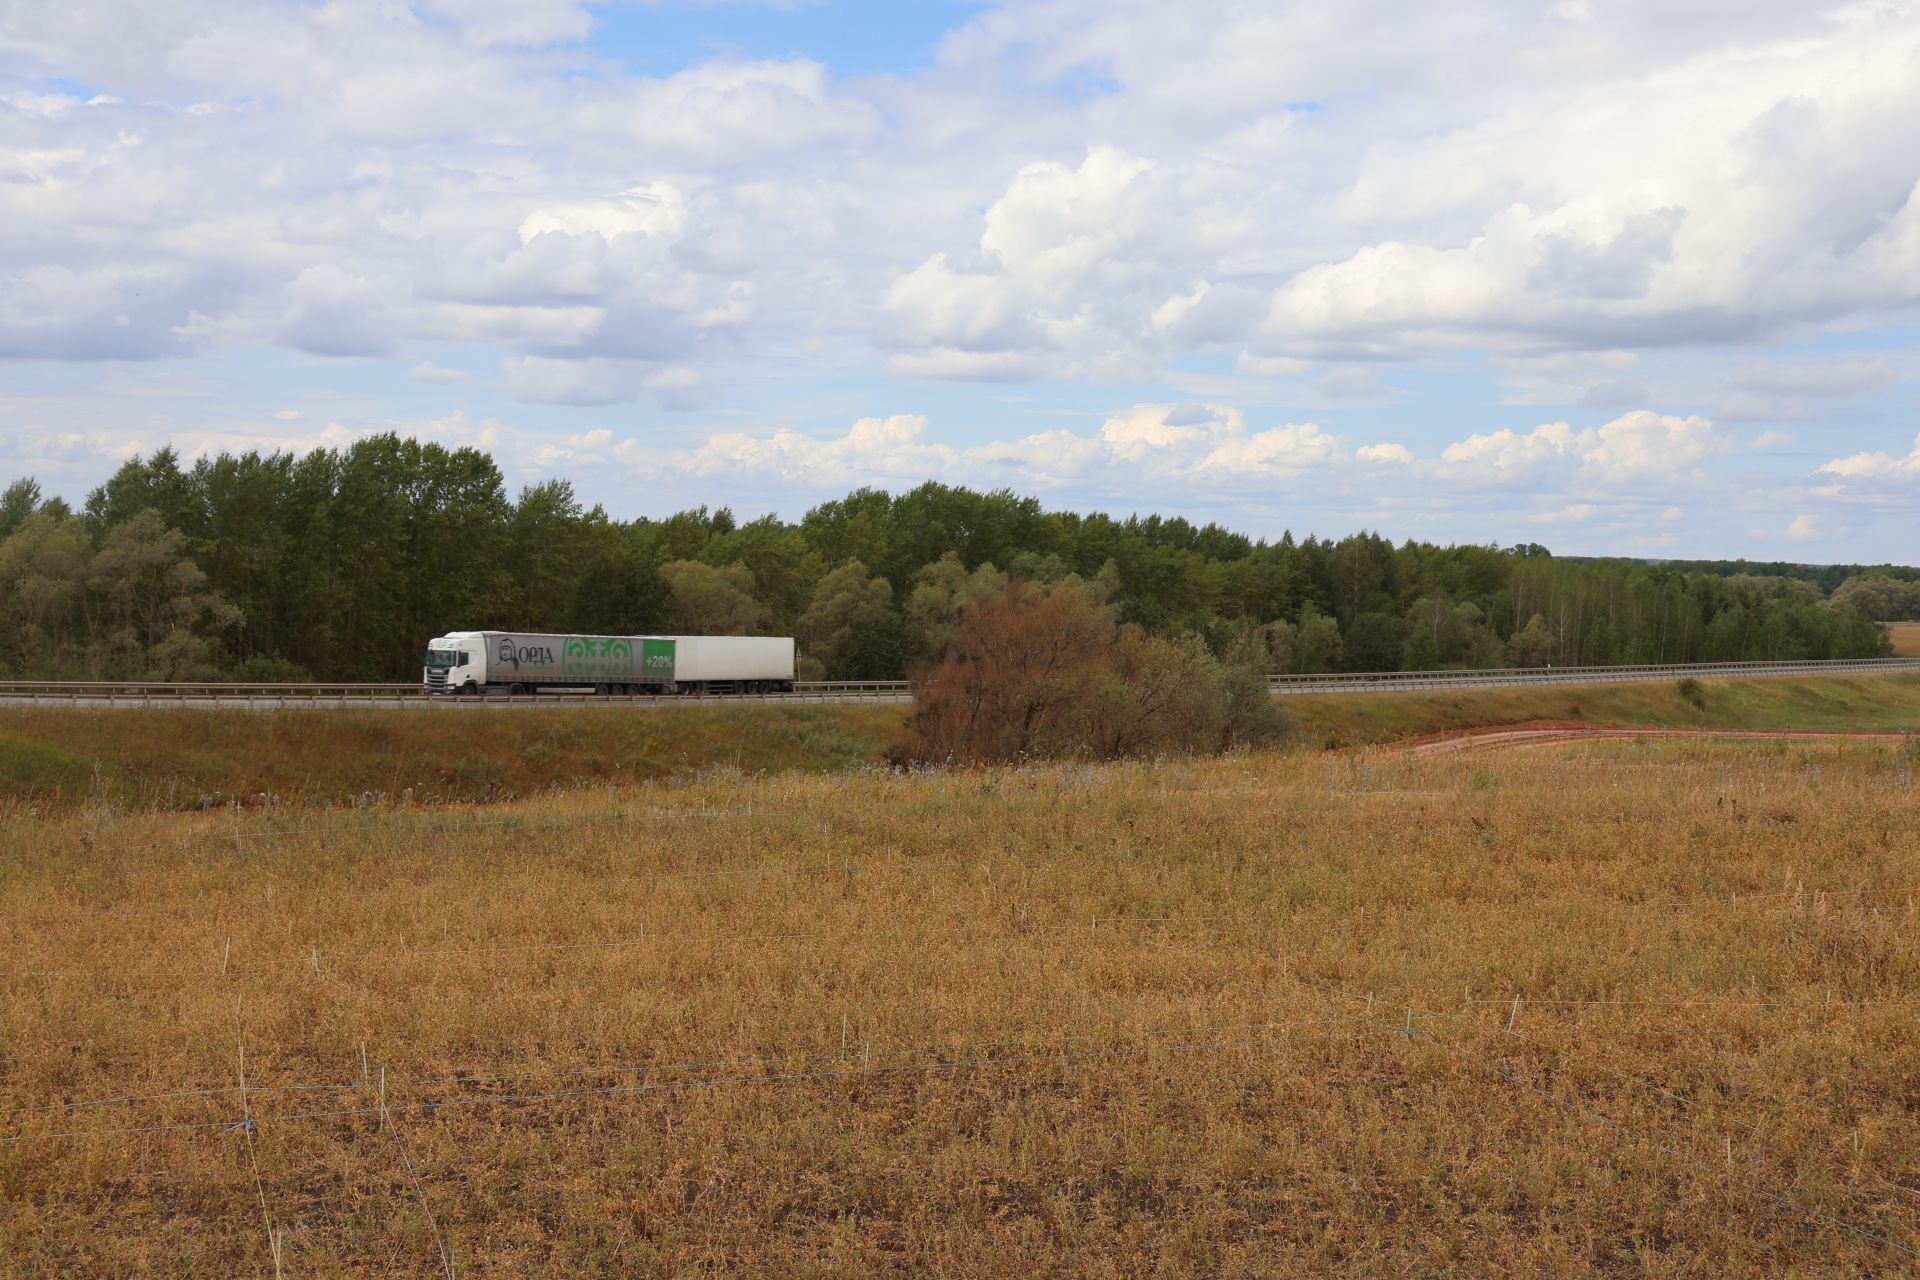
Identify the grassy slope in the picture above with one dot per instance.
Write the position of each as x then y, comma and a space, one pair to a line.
55, 758
1857, 702
1906, 638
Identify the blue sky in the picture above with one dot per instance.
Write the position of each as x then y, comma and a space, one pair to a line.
1627, 279
849, 39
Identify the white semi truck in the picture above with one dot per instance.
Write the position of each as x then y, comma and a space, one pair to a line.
506, 661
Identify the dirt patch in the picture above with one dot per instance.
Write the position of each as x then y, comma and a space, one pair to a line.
1541, 733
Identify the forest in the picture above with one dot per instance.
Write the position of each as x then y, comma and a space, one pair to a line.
339, 564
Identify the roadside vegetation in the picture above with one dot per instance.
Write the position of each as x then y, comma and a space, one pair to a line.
56, 759
1643, 1009
1047, 674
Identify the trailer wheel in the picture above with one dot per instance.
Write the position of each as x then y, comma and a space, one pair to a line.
516, 690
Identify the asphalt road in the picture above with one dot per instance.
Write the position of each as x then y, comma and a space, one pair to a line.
397, 696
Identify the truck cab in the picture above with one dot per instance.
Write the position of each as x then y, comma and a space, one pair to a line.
456, 662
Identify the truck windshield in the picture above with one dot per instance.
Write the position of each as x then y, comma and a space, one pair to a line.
443, 657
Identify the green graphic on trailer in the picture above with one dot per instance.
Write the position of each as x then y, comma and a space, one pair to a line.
597, 656
656, 659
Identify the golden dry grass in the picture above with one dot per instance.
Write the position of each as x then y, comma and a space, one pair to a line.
1248, 1017
1906, 638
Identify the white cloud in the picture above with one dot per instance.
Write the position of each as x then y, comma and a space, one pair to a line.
1615, 394
1350, 383
892, 448
1083, 270
1831, 378
427, 371
657, 210
1641, 444
1100, 189
1636, 446
598, 381
1509, 454
1803, 527
539, 380
1271, 366
514, 22
1672, 513
1572, 513
288, 415
680, 389
1208, 445
1876, 464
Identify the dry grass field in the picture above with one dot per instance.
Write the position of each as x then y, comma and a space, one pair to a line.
1906, 638
1640, 1008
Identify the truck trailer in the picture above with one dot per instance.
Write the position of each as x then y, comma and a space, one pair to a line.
475, 662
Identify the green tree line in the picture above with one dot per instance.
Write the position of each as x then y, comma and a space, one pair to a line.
339, 564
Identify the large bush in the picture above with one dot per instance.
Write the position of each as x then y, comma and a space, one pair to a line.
1036, 673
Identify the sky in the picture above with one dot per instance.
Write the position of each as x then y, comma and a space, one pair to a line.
1625, 278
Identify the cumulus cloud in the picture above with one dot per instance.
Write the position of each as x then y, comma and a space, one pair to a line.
1289, 183
428, 371
1101, 189
1572, 513
1876, 464
1078, 269
1635, 446
1209, 445
872, 449
595, 381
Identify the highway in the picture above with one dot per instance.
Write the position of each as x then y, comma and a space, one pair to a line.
266, 697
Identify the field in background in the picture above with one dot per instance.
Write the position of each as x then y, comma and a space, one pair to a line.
1906, 638
1639, 1009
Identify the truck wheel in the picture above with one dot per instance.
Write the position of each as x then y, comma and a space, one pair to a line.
516, 690
602, 690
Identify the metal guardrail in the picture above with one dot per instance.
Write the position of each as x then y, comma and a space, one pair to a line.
160, 693
147, 693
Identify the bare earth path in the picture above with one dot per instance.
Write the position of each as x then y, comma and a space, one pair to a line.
1541, 733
